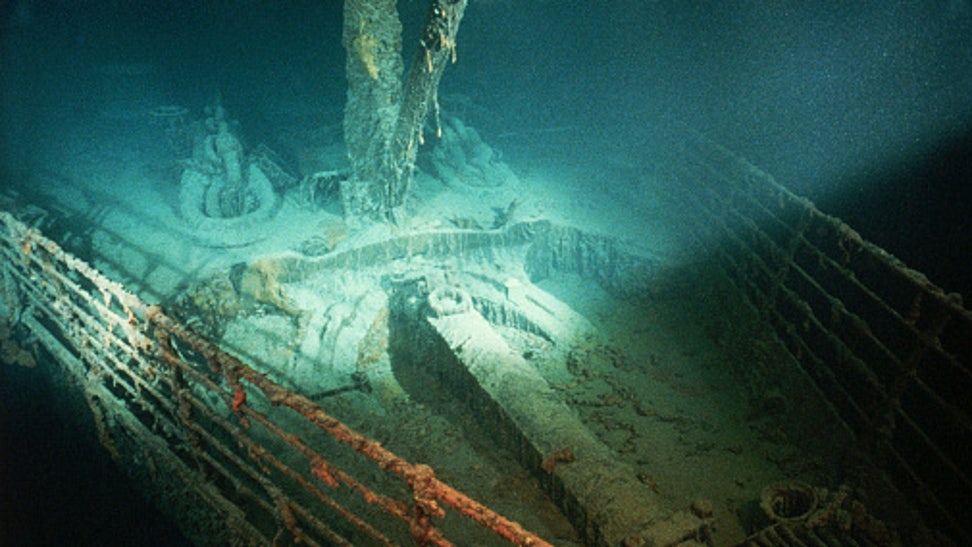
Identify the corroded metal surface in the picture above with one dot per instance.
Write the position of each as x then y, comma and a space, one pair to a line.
213, 424
888, 348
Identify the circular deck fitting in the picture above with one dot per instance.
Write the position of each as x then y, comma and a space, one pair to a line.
788, 501
449, 301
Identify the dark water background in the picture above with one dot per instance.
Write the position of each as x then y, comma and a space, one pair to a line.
58, 486
865, 107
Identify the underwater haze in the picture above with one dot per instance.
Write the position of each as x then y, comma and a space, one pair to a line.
864, 107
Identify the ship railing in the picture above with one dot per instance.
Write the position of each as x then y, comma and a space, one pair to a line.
267, 464
889, 349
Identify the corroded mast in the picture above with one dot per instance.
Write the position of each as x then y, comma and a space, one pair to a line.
384, 114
